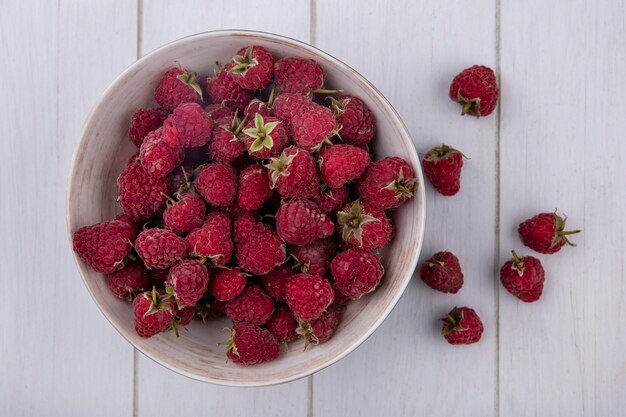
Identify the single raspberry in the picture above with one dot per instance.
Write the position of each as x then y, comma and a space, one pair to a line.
188, 126
355, 118
274, 281
250, 344
331, 200
104, 246
462, 326
356, 272
188, 280
265, 137
185, 214
258, 249
363, 226
217, 183
442, 272
213, 240
545, 233
157, 157
128, 281
293, 173
322, 328
217, 111
308, 296
300, 222
160, 248
252, 67
387, 183
523, 277
126, 219
313, 126
141, 196
296, 75
144, 121
251, 306
153, 313
476, 89
341, 164
283, 324
260, 107
442, 166
228, 283
223, 89
315, 257
227, 143
177, 86
254, 187
288, 104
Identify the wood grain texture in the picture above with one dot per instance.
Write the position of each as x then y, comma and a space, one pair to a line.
59, 355
411, 51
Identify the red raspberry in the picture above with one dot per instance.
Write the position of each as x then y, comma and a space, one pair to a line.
289, 104
363, 226
185, 214
251, 306
252, 67
313, 126
177, 86
141, 196
545, 233
217, 183
265, 137
387, 183
315, 257
523, 277
227, 142
160, 248
250, 344
104, 246
341, 164
223, 89
188, 126
213, 240
228, 283
308, 296
293, 173
126, 219
260, 107
218, 111
462, 326
476, 89
183, 317
322, 328
274, 281
153, 313
355, 118
283, 324
300, 222
442, 166
254, 187
442, 272
128, 281
188, 280
157, 157
144, 121
331, 200
356, 272
296, 75
258, 249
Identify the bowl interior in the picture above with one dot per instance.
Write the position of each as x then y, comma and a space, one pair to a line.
104, 149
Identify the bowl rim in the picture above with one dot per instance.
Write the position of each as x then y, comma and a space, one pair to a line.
421, 195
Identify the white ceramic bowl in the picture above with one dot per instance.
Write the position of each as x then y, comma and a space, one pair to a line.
104, 149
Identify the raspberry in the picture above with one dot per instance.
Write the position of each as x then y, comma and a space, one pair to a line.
258, 249
308, 296
274, 281
217, 183
356, 272
128, 281
442, 272
462, 326
313, 126
293, 174
213, 240
265, 137
355, 118
387, 183
251, 306
476, 89
157, 157
341, 164
188, 280
442, 166
289, 104
218, 112
160, 248
228, 283
322, 328
331, 200
252, 67
188, 126
254, 187
315, 257
283, 324
141, 196
126, 219
177, 86
364, 227
144, 121
104, 246
523, 277
223, 89
260, 107
227, 144
153, 313
184, 316
250, 344
185, 214
301, 222
296, 75
545, 233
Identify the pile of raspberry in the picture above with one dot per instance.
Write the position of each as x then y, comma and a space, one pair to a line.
253, 195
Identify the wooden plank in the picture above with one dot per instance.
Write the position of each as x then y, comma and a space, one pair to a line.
562, 146
59, 355
411, 51
177, 394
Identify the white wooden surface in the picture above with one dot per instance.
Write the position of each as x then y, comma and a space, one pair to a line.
556, 142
